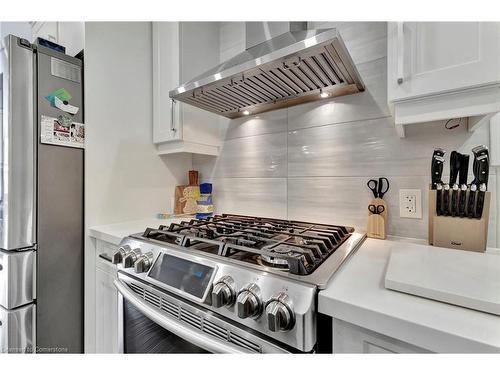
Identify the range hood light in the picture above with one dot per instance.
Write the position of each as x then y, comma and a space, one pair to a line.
246, 112
323, 94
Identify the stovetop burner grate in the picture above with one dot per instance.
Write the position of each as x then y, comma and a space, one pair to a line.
291, 246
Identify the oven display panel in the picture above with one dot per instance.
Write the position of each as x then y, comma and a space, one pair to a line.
189, 277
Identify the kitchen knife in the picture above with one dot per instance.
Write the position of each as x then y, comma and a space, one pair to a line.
464, 169
462, 200
439, 198
472, 199
446, 200
480, 201
437, 167
454, 200
483, 171
480, 152
462, 181
454, 169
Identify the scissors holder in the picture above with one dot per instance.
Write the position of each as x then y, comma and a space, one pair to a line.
377, 223
456, 232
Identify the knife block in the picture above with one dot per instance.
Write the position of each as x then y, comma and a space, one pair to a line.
377, 223
457, 232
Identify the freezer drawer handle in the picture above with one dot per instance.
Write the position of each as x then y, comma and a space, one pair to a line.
177, 328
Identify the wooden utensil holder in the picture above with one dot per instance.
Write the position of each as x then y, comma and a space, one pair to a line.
456, 232
377, 223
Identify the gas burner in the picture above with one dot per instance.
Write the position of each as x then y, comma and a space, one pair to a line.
278, 262
291, 246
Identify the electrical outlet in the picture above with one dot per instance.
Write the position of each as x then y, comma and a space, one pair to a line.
410, 203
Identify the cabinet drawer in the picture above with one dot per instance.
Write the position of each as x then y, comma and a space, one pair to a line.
16, 278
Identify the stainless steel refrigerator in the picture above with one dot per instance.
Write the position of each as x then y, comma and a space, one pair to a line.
41, 199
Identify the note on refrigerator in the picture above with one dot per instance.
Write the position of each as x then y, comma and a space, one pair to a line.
71, 109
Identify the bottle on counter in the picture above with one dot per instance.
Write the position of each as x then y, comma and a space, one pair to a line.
205, 206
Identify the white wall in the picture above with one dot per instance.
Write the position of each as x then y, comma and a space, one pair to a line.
124, 177
311, 162
20, 29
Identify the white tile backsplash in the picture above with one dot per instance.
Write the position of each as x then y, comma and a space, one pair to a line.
311, 162
257, 156
371, 148
251, 196
264, 123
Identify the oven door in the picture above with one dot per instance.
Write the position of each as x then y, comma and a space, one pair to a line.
153, 321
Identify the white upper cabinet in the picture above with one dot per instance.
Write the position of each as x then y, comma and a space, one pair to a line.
166, 113
68, 34
440, 70
182, 51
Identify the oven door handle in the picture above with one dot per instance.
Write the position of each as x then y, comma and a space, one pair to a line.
191, 335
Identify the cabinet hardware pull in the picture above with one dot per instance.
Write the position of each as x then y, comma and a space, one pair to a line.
400, 52
172, 116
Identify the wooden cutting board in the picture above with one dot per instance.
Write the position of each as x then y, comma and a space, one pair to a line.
457, 277
186, 197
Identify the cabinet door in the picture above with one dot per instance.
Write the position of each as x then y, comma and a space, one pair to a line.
167, 124
106, 313
349, 338
435, 57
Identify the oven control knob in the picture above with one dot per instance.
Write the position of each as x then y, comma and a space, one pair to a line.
279, 312
130, 258
144, 262
118, 255
248, 303
223, 292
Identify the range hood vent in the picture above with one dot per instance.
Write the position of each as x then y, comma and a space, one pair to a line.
290, 69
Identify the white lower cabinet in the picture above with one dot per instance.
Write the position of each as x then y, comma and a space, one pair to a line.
106, 303
349, 338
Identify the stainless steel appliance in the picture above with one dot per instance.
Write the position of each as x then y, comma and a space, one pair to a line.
295, 67
229, 284
41, 204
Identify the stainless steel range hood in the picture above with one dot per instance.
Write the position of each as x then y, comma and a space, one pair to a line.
290, 69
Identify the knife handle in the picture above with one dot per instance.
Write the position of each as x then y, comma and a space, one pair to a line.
480, 202
479, 205
437, 167
454, 201
439, 197
446, 201
472, 199
462, 201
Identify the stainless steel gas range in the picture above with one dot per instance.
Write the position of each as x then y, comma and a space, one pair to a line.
230, 284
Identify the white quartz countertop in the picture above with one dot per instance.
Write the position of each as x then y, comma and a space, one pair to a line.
356, 294
113, 233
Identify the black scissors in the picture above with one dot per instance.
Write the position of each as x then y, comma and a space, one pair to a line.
377, 187
376, 210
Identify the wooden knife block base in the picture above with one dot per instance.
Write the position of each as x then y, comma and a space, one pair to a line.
377, 223
457, 232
